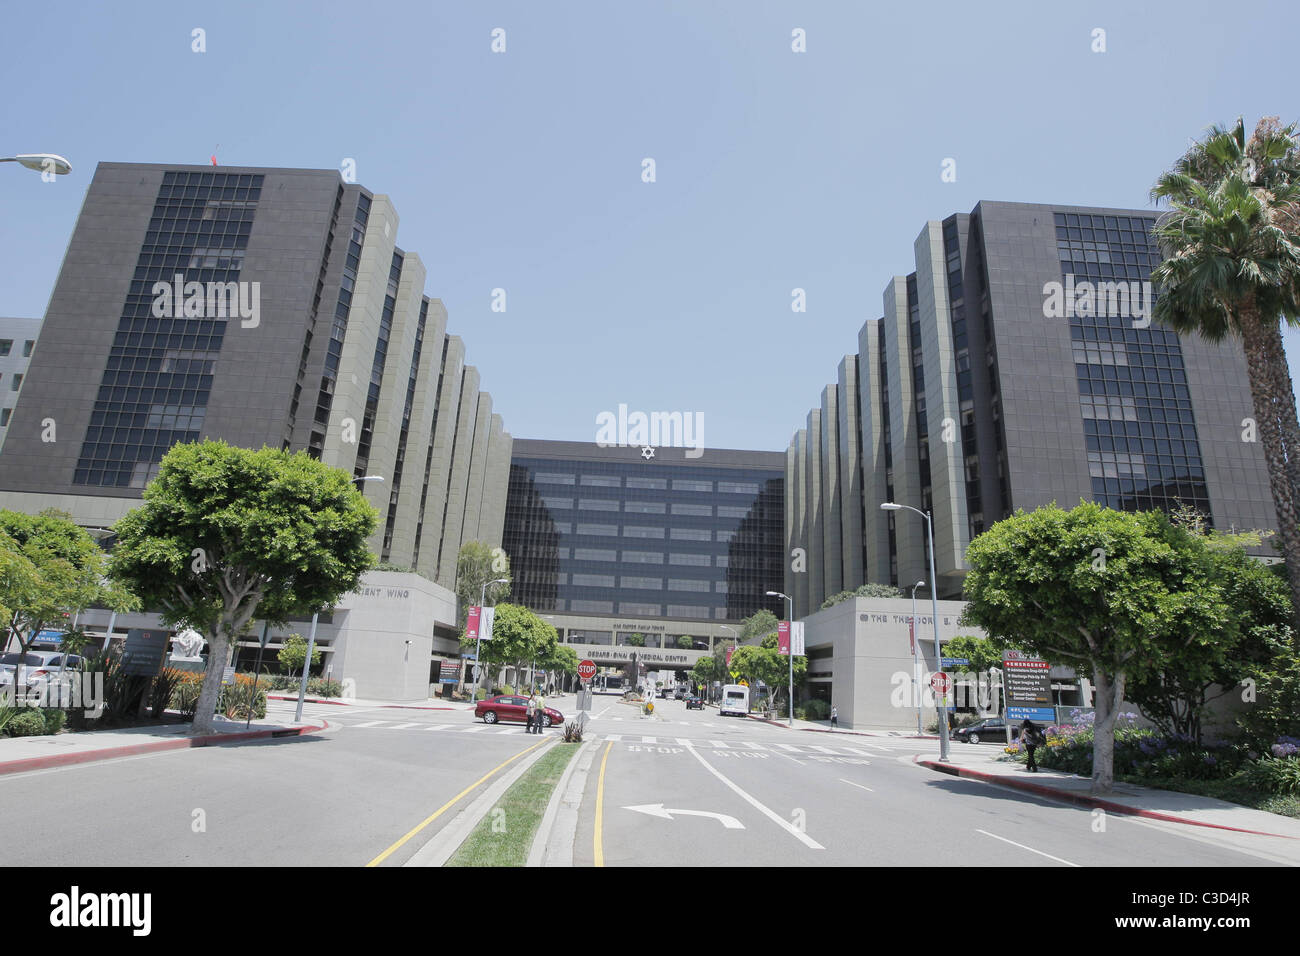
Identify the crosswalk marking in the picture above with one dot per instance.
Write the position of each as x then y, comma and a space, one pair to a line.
440, 727
823, 750
612, 737
475, 729
791, 748
750, 745
403, 726
649, 740
508, 730
683, 742
717, 743
373, 723
856, 753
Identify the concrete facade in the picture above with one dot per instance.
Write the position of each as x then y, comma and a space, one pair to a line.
974, 400
17, 345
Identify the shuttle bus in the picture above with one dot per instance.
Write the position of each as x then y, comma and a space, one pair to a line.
735, 700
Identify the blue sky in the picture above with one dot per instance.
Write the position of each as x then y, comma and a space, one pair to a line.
522, 170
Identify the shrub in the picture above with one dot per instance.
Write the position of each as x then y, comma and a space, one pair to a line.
324, 687
54, 720
160, 694
245, 694
28, 723
1277, 775
185, 695
572, 732
815, 709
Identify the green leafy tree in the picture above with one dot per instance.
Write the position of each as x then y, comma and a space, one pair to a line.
869, 590
478, 565
1271, 691
561, 659
1231, 246
226, 534
706, 670
49, 569
757, 626
766, 664
1194, 672
982, 653
636, 640
519, 638
685, 643
1109, 593
293, 653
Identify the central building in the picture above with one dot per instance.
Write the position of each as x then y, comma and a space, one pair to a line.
645, 551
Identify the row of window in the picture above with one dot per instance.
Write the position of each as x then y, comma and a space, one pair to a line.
633, 481
6, 346
633, 609
642, 584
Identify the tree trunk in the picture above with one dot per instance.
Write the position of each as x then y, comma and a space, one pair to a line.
218, 650
1275, 418
1109, 693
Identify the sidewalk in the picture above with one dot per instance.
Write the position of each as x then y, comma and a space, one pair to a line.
977, 762
21, 754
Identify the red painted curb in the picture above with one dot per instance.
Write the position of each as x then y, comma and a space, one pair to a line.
1084, 799
128, 750
308, 700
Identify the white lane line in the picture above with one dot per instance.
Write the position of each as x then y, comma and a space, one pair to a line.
780, 821
475, 729
750, 745
857, 753
683, 742
616, 718
858, 785
791, 748
1029, 848
404, 726
649, 740
373, 723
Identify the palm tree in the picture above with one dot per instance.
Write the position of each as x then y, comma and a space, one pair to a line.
1231, 246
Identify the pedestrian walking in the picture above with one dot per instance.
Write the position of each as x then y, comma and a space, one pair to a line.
1030, 739
541, 712
835, 717
532, 714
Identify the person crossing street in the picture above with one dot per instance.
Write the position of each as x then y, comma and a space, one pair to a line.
531, 717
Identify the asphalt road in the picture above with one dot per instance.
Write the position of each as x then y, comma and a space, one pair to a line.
758, 796
807, 799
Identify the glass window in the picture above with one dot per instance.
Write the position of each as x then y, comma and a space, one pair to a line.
688, 484
604, 530
727, 511
27, 347
594, 580
692, 534
691, 509
601, 481
686, 584
6, 346
594, 554
553, 502
644, 507
644, 557
633, 531
642, 584
693, 560
16, 383
553, 478
597, 504
660, 484
4, 417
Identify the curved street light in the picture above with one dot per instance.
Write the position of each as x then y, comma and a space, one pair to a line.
41, 162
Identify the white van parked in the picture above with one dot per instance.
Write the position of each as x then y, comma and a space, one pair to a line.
735, 700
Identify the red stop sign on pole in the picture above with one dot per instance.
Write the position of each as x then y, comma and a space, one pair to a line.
941, 683
587, 670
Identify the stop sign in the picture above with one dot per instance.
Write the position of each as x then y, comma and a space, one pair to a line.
941, 683
587, 670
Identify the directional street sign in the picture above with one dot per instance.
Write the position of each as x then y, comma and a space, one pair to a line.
954, 662
941, 683
587, 670
658, 810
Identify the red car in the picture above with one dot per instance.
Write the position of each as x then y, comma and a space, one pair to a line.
512, 709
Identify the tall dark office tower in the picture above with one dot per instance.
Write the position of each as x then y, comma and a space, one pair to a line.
263, 307
1018, 365
609, 543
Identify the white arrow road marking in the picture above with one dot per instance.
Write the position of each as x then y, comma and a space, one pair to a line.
1029, 848
657, 810
780, 821
858, 785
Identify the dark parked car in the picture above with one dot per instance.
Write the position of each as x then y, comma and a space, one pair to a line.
512, 709
991, 729
694, 703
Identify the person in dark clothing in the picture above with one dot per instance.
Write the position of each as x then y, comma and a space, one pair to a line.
1030, 738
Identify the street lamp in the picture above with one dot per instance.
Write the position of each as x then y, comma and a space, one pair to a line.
41, 162
934, 600
478, 646
778, 594
916, 660
311, 641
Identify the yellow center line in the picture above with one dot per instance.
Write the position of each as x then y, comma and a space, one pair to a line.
446, 806
600, 805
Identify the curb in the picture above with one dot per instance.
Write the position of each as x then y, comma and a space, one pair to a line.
130, 750
827, 730
546, 828
1084, 800
343, 703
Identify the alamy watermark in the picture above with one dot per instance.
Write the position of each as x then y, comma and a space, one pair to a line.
1121, 298
208, 300
653, 430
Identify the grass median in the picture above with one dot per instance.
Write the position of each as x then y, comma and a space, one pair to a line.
505, 834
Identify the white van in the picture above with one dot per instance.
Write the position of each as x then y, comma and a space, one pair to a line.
735, 700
